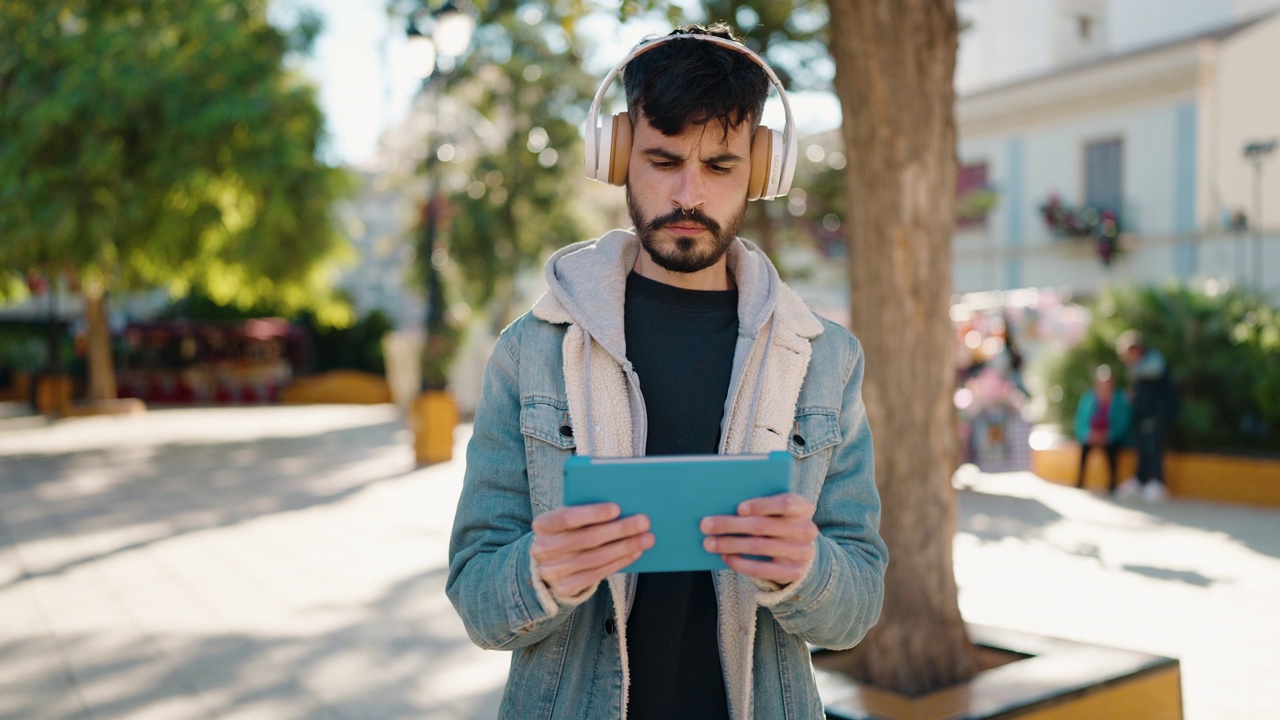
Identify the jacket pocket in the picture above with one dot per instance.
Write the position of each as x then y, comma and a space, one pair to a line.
815, 432
548, 442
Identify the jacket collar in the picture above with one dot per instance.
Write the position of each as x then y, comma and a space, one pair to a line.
586, 280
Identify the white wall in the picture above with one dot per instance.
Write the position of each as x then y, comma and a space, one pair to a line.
1139, 23
1006, 40
1013, 39
1248, 108
1052, 162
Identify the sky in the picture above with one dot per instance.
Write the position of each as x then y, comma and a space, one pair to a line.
366, 77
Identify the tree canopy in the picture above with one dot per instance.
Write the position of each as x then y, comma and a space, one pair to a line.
169, 146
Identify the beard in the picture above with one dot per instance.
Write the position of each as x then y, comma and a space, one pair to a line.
685, 254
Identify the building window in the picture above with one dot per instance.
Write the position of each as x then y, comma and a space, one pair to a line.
974, 196
1104, 175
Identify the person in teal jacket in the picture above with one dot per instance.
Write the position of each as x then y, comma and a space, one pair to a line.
1103, 420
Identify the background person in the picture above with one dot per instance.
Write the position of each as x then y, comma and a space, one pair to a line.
1155, 405
1103, 420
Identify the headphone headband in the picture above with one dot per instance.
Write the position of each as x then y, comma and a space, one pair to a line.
785, 170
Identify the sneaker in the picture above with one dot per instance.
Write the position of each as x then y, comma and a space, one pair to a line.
1154, 492
1129, 489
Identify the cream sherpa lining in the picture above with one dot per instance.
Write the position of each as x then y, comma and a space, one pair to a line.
550, 600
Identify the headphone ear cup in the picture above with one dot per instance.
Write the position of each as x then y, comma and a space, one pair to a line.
761, 154
600, 171
777, 185
619, 158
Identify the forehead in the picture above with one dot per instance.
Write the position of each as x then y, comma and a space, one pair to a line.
707, 136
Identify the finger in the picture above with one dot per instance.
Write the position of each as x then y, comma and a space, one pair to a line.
786, 504
768, 547
799, 529
583, 567
575, 516
578, 540
781, 572
575, 584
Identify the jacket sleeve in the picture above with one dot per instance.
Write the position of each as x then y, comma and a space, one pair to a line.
839, 599
491, 578
1084, 409
1121, 419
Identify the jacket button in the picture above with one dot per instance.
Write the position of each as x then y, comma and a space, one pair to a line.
797, 440
566, 431
609, 626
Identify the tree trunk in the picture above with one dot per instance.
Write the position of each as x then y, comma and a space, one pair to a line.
894, 65
102, 372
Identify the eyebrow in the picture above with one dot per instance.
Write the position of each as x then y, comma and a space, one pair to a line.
665, 154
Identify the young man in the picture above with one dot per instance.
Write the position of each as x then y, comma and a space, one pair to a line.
674, 337
1155, 406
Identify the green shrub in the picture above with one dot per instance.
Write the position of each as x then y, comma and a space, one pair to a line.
1223, 350
358, 347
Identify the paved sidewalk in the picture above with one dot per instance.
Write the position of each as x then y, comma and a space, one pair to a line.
289, 562
273, 563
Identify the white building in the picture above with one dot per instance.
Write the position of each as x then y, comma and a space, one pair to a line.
1096, 103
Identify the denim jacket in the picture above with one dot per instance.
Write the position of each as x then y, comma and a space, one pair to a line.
558, 383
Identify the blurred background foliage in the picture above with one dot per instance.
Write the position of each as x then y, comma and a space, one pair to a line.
522, 87
1223, 350
164, 145
355, 346
525, 94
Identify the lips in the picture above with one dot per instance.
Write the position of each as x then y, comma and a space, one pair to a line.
687, 228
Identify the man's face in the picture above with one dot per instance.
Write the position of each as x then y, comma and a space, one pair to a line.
687, 193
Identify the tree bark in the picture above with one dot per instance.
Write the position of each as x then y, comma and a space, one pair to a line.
895, 60
102, 372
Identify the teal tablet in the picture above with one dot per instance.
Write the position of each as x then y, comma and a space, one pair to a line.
676, 492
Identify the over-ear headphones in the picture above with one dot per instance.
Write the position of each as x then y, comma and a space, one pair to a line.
773, 153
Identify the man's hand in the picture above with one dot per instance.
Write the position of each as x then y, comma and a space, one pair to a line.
779, 527
580, 545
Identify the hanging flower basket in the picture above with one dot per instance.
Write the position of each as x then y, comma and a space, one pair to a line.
1101, 225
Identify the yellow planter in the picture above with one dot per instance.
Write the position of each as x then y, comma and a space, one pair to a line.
19, 388
53, 394
338, 386
1253, 481
435, 414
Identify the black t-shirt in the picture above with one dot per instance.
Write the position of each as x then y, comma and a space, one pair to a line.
681, 344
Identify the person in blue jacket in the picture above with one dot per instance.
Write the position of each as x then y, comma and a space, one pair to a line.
1103, 420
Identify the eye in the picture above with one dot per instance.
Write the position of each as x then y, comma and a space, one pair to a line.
662, 164
720, 169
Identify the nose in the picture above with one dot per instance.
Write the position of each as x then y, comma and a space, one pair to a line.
689, 192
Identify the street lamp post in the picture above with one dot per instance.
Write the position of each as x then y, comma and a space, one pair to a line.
1256, 152
436, 38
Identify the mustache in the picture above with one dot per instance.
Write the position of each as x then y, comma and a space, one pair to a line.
680, 217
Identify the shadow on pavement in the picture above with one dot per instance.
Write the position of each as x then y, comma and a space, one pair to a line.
1256, 528
992, 518
169, 490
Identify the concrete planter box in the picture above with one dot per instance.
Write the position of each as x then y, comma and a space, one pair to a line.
1042, 679
349, 387
1205, 476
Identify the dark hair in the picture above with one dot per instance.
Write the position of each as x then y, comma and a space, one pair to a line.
692, 83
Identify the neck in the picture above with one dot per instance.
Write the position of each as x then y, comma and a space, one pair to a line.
715, 277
